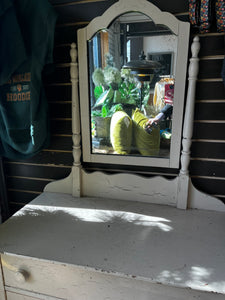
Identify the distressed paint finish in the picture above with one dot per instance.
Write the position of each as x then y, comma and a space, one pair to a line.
184, 179
132, 187
65, 247
71, 283
71, 245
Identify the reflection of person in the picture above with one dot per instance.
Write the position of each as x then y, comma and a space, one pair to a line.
163, 92
164, 114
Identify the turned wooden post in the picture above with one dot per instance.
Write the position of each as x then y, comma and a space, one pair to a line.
189, 111
76, 191
183, 183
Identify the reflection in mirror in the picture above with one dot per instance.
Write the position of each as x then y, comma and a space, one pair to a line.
131, 87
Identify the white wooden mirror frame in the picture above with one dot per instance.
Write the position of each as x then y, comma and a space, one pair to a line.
178, 192
181, 30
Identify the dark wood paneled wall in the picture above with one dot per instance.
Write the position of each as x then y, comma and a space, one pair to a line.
27, 178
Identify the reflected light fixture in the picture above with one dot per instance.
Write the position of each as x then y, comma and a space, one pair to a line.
143, 70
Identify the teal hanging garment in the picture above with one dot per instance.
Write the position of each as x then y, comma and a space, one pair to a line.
24, 129
12, 48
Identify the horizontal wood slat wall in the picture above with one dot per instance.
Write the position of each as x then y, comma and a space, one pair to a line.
27, 178
207, 166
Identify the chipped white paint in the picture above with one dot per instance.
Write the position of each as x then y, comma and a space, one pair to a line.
130, 187
113, 248
95, 247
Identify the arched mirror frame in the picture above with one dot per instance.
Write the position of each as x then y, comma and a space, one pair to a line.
181, 30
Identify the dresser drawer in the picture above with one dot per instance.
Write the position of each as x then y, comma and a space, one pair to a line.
15, 296
25, 295
71, 282
37, 276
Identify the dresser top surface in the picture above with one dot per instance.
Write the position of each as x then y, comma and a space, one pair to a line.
155, 242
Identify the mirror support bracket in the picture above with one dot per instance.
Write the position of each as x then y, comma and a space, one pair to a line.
184, 179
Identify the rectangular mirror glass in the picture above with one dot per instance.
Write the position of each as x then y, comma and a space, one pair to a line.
132, 67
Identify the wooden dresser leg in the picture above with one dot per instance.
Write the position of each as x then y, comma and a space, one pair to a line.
2, 288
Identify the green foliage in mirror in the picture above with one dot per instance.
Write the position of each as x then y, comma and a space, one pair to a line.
115, 89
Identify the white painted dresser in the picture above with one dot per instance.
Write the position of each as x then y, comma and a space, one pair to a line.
98, 236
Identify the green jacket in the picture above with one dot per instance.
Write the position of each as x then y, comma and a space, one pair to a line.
26, 39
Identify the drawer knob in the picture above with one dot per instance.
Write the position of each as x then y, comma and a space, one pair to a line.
22, 275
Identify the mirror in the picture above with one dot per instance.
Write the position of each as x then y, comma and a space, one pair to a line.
131, 80
132, 105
